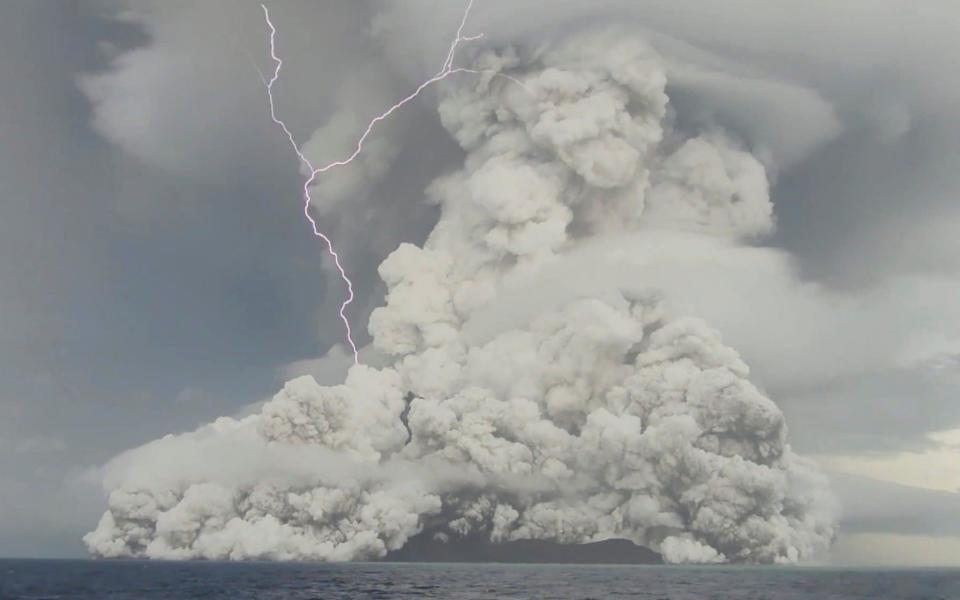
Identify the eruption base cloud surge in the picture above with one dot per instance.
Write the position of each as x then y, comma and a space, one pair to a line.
604, 415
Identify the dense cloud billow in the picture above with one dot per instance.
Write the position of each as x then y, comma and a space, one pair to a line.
606, 414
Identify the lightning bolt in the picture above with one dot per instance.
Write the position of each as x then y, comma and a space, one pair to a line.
446, 70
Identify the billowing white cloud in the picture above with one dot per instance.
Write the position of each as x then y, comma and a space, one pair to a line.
604, 413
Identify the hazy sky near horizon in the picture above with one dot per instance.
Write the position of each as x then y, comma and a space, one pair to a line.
156, 271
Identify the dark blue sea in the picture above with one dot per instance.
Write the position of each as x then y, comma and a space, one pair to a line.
124, 580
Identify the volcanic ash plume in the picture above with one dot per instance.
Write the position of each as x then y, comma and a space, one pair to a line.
598, 414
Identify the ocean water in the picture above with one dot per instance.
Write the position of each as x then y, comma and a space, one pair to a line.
125, 580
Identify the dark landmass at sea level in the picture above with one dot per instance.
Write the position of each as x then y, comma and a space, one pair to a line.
425, 549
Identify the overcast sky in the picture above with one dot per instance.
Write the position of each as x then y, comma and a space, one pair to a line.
156, 271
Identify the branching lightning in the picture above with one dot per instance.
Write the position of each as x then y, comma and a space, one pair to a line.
447, 70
